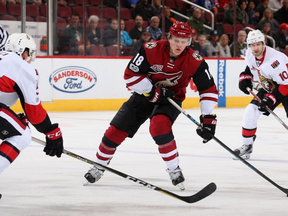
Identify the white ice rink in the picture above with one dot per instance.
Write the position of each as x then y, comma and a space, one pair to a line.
38, 185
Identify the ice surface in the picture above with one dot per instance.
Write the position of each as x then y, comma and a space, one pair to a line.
38, 185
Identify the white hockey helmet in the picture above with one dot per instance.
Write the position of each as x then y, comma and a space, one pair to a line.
20, 42
255, 36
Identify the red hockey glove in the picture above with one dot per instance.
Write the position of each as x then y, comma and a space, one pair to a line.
159, 95
208, 123
245, 80
54, 141
269, 100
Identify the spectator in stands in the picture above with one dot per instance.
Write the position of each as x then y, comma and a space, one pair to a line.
212, 46
93, 33
35, 2
268, 17
243, 9
136, 31
110, 3
62, 2
168, 20
156, 4
241, 45
266, 30
130, 3
224, 48
145, 9
156, 32
223, 4
145, 37
73, 35
229, 14
260, 8
11, 2
194, 43
202, 41
125, 39
196, 22
110, 36
281, 37
253, 18
275, 5
208, 4
282, 14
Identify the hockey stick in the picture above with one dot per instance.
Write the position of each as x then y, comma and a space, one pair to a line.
206, 191
267, 108
285, 190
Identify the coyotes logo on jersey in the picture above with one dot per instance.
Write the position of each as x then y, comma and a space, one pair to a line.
162, 79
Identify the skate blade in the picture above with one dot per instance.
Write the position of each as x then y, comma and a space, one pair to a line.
181, 186
245, 157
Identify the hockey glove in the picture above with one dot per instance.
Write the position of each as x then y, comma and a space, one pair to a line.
245, 80
159, 95
208, 123
269, 100
54, 141
23, 117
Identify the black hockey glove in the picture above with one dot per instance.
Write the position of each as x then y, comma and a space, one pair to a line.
208, 123
54, 141
245, 80
23, 117
159, 95
269, 100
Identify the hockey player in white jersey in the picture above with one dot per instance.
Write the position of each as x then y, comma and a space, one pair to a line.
19, 80
270, 68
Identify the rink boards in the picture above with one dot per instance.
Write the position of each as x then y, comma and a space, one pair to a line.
94, 84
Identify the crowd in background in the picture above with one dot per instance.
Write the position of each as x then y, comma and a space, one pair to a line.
269, 16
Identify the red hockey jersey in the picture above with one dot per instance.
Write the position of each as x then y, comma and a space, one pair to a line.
152, 65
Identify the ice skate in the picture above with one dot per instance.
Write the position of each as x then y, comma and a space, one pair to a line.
245, 150
177, 177
94, 174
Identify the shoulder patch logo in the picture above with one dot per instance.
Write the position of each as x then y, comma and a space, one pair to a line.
150, 45
275, 64
197, 56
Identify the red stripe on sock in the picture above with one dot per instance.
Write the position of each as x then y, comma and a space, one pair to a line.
9, 151
166, 148
105, 149
102, 158
248, 132
171, 157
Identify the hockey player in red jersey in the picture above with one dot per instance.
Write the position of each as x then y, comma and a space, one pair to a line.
19, 80
270, 68
159, 70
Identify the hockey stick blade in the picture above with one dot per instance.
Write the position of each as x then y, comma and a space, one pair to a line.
205, 192
285, 190
267, 108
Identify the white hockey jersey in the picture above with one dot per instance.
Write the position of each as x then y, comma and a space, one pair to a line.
19, 80
273, 68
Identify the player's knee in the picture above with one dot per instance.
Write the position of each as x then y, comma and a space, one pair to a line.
161, 129
113, 137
